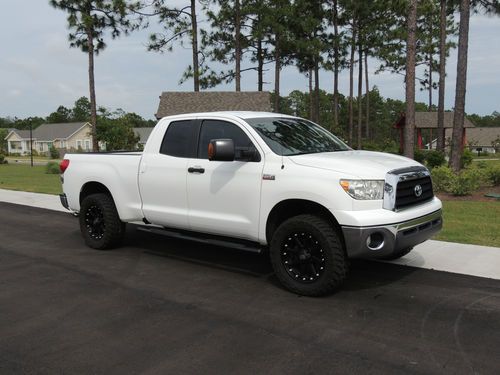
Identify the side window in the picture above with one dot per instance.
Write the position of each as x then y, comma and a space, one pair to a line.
216, 129
178, 139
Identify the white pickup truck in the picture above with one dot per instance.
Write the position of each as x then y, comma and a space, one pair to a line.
258, 181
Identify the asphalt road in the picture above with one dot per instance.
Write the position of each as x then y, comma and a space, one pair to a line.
163, 306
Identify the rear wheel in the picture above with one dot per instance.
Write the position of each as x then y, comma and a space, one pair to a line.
307, 256
100, 224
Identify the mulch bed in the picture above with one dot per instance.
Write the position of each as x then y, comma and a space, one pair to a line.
477, 196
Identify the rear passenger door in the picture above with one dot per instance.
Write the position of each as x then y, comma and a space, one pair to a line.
224, 197
162, 176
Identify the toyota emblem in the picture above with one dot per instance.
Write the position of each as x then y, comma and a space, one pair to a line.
418, 190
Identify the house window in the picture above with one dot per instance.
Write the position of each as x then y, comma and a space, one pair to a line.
63, 144
87, 144
15, 145
78, 144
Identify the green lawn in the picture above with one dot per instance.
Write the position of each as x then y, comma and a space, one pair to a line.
26, 178
471, 222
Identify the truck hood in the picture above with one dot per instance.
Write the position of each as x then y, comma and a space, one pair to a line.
363, 164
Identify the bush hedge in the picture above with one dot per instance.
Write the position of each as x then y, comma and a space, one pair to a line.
52, 168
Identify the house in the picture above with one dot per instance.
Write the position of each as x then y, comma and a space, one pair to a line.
426, 127
484, 139
175, 103
63, 136
143, 134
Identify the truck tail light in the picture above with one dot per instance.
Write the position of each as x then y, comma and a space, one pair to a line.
64, 165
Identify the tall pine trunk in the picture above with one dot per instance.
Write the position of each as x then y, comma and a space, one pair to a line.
431, 67
367, 88
316, 90
311, 94
409, 129
194, 46
336, 64
277, 71
260, 66
442, 76
360, 93
459, 114
237, 43
93, 105
351, 83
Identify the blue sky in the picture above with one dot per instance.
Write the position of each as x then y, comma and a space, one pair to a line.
38, 70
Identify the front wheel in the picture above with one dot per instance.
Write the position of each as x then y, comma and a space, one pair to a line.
100, 224
307, 256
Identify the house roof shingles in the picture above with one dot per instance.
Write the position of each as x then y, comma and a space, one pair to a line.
481, 137
50, 132
428, 120
176, 103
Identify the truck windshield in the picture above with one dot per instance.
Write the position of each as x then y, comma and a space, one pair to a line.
294, 136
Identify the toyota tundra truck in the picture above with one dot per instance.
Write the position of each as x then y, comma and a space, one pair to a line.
260, 182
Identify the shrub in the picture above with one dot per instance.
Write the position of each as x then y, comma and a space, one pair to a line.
435, 158
443, 178
466, 182
2, 158
466, 158
54, 154
493, 175
419, 155
52, 168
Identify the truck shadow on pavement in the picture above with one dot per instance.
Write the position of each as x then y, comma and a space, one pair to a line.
363, 274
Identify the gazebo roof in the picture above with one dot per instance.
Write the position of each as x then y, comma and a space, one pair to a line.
428, 120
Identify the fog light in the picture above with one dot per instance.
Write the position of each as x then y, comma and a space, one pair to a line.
375, 241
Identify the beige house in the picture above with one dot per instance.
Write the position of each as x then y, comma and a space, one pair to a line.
71, 136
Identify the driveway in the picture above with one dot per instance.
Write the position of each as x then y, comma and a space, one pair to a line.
162, 306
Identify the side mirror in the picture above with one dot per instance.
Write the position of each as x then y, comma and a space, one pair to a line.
221, 150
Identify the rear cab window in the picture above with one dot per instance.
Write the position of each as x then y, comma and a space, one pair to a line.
179, 139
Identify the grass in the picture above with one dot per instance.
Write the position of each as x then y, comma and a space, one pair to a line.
26, 178
471, 222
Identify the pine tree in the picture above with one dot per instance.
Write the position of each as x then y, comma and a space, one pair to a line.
88, 21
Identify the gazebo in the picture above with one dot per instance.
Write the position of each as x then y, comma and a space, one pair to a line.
427, 122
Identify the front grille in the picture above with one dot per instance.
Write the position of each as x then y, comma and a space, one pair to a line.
405, 192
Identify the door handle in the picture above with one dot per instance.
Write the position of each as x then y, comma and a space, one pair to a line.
196, 170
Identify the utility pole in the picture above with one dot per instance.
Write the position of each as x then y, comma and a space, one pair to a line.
31, 143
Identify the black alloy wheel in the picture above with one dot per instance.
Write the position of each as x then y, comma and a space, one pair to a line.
100, 223
94, 222
308, 255
302, 257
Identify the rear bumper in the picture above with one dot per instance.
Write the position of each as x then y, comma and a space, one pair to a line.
64, 201
381, 241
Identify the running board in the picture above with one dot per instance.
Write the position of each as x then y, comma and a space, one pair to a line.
206, 239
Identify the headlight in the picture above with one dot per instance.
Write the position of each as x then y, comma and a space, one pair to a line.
364, 189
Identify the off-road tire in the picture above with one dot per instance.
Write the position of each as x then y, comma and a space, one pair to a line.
334, 260
102, 208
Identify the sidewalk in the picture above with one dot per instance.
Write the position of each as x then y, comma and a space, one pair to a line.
474, 260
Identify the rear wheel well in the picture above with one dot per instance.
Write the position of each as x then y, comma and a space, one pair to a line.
93, 188
294, 207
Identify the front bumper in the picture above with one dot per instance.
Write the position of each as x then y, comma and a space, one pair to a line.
381, 241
